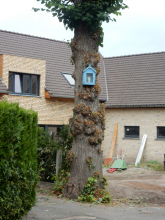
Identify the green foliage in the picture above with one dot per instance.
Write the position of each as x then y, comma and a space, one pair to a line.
18, 160
96, 174
89, 162
104, 180
60, 181
153, 164
90, 12
70, 157
46, 155
47, 149
92, 194
64, 142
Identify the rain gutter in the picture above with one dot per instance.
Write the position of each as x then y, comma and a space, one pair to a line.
64, 97
4, 92
70, 97
135, 106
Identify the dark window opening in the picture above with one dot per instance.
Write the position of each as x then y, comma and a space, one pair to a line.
132, 131
52, 129
26, 84
11, 82
34, 84
160, 132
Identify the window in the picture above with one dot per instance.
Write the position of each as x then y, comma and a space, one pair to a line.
52, 129
131, 131
68, 77
161, 132
26, 84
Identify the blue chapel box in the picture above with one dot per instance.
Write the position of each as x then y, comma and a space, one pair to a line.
89, 76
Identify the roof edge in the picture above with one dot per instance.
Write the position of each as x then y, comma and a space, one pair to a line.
70, 97
5, 92
64, 97
130, 55
29, 35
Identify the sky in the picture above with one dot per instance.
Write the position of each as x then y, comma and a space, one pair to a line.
140, 29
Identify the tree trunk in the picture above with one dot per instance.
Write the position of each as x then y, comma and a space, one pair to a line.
88, 122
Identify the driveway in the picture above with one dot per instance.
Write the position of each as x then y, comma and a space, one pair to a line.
134, 183
50, 208
137, 193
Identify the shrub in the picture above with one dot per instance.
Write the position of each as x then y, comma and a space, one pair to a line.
91, 193
18, 160
47, 149
64, 142
46, 152
60, 182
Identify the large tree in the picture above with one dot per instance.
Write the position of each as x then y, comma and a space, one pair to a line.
88, 122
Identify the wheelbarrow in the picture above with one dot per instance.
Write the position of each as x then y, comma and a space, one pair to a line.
117, 164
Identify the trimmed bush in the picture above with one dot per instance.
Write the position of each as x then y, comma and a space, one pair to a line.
18, 160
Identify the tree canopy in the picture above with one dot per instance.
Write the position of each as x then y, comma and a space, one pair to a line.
90, 12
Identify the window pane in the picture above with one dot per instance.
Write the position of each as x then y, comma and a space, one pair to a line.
161, 131
11, 82
132, 131
26, 84
89, 77
18, 83
34, 85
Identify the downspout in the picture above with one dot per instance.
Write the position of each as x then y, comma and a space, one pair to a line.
105, 80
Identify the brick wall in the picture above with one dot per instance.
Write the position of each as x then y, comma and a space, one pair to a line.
50, 111
148, 119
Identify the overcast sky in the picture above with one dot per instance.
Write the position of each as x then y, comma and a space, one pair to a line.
140, 29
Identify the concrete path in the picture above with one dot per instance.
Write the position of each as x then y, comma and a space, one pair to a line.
52, 208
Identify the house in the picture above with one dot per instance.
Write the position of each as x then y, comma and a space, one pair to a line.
136, 101
38, 71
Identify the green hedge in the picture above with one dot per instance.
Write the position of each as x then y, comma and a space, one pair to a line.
18, 160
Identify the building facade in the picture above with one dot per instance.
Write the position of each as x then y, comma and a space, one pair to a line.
36, 72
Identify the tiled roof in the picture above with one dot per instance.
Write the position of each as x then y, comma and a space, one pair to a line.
3, 88
57, 56
136, 80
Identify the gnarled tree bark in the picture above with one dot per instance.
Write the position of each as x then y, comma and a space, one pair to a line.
88, 122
